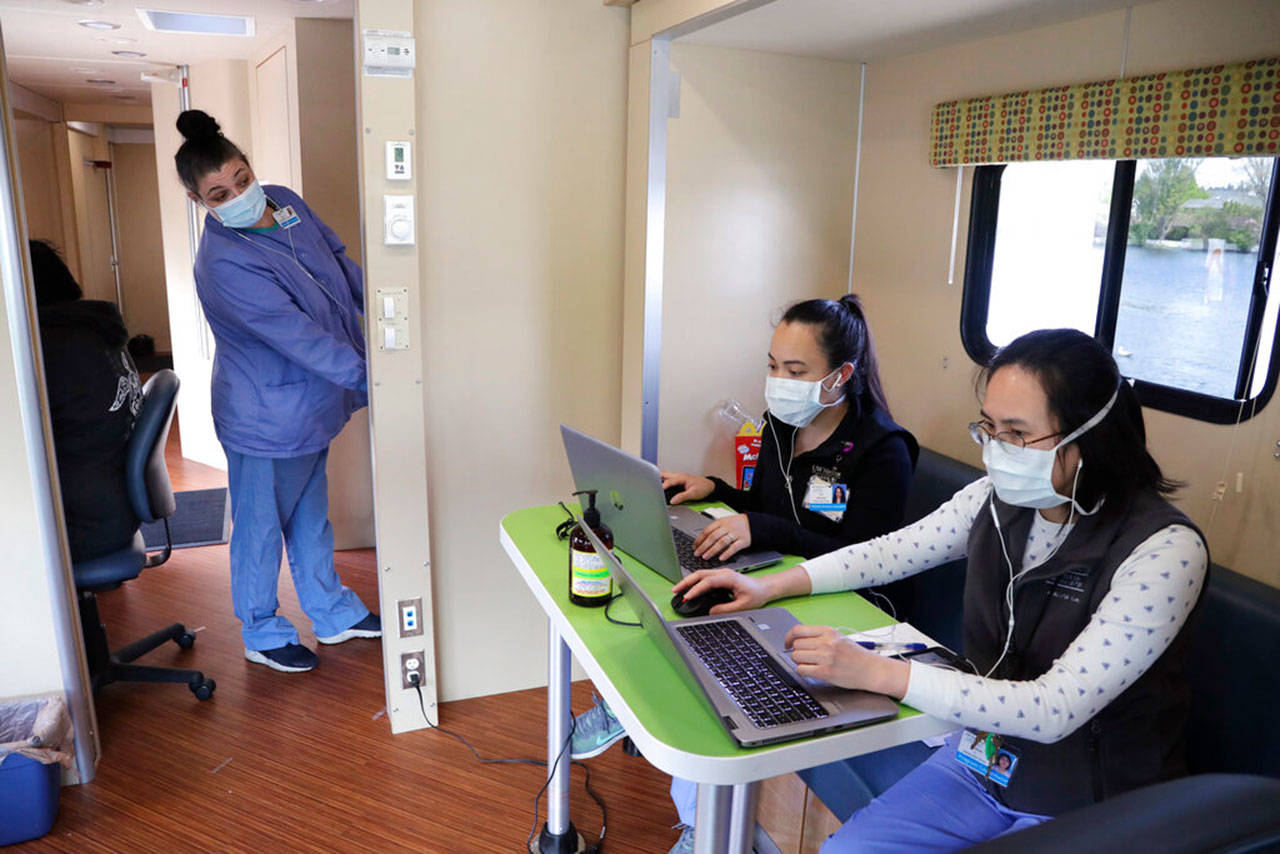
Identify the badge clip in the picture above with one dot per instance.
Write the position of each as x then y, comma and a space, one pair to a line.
285, 217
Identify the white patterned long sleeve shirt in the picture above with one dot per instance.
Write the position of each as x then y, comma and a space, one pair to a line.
1152, 594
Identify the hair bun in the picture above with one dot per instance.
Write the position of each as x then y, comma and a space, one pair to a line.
197, 125
851, 303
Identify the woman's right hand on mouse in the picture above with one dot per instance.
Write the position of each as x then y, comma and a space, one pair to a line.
749, 591
692, 487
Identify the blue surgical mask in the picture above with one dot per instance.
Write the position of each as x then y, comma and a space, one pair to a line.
1023, 477
245, 209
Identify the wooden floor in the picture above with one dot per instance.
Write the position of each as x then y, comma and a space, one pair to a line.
306, 762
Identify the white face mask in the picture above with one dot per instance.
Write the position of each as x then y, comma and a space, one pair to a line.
798, 402
1023, 477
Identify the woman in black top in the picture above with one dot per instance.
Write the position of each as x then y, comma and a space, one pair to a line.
94, 396
834, 468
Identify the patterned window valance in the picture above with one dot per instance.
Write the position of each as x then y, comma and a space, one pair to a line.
1226, 110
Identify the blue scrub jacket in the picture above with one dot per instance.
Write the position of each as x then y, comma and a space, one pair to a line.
290, 362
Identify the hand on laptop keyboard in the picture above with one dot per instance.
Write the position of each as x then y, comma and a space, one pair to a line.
723, 538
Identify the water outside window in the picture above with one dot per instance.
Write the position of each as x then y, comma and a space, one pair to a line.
1050, 231
1189, 268
1189, 265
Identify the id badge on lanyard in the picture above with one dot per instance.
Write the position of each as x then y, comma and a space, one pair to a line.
988, 755
825, 497
285, 217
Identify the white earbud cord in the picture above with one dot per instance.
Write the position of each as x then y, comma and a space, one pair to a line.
786, 469
1008, 591
294, 256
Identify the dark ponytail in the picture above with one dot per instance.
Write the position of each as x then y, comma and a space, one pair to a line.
205, 149
844, 336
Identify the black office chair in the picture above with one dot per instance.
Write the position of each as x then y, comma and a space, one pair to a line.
151, 494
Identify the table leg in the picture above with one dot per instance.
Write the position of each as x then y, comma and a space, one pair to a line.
558, 835
742, 817
711, 834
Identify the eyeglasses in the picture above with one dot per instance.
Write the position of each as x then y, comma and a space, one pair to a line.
982, 432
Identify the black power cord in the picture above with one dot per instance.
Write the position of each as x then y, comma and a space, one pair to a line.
614, 598
416, 680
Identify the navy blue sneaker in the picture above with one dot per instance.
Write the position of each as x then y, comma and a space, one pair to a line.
290, 658
369, 627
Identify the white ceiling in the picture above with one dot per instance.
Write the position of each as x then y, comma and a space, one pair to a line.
44, 45
863, 30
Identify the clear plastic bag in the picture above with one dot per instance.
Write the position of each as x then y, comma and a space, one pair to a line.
38, 728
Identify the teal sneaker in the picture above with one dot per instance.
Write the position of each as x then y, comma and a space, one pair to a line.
595, 731
684, 845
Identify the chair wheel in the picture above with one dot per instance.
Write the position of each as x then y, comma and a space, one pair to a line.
203, 690
186, 640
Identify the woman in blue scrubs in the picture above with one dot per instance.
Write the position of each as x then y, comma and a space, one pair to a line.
284, 303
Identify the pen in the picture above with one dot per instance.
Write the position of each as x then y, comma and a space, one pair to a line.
893, 647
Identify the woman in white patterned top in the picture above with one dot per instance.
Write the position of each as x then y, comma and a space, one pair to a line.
1081, 577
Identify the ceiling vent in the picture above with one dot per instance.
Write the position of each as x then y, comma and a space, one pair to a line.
195, 22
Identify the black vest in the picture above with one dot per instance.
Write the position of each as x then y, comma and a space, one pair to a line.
1134, 740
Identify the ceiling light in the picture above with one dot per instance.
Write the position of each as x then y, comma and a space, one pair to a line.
84, 71
101, 81
91, 3
129, 54
197, 22
99, 25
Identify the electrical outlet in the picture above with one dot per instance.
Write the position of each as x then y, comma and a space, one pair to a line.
410, 663
410, 617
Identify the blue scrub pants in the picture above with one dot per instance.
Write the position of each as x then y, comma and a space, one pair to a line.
940, 806
284, 499
937, 807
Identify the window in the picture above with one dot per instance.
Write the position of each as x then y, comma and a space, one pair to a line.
1168, 262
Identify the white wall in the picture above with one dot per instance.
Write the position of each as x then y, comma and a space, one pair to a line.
904, 235
40, 179
219, 88
29, 656
521, 121
146, 305
91, 211
759, 186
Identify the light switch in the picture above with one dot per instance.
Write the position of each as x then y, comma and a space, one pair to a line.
389, 307
388, 337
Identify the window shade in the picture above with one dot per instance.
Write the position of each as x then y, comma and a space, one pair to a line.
1225, 110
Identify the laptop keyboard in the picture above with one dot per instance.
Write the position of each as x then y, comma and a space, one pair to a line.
685, 556
768, 694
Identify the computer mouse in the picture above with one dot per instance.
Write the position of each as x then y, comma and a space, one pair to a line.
672, 491
700, 606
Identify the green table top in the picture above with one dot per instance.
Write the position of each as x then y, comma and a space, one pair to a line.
664, 701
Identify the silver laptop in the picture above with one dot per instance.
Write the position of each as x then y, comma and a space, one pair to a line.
740, 664
631, 502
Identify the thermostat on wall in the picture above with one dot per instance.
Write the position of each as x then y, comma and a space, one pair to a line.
398, 160
389, 53
397, 220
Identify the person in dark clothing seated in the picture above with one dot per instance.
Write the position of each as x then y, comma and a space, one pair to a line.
94, 396
834, 469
